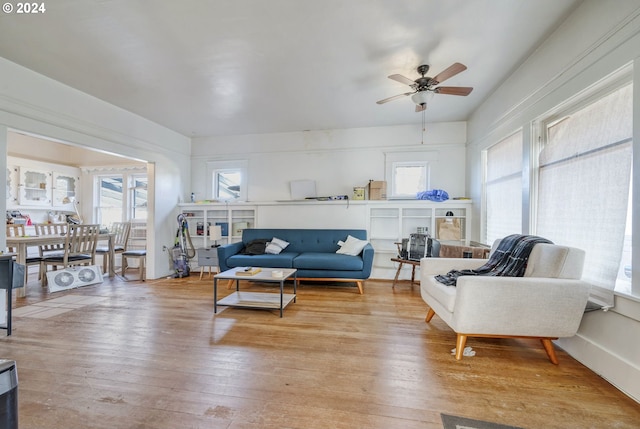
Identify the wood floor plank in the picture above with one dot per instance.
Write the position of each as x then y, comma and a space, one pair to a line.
153, 355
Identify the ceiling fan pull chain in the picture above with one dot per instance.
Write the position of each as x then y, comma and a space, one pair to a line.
423, 125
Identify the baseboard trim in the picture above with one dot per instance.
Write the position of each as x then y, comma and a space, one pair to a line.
617, 371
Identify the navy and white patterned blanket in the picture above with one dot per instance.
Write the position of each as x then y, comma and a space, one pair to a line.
509, 259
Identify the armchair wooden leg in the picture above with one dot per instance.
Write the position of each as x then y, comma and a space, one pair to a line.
430, 315
551, 352
360, 289
460, 343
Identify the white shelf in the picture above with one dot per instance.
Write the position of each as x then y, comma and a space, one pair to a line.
256, 300
212, 214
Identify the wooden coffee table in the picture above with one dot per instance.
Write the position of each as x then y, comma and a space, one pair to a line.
263, 300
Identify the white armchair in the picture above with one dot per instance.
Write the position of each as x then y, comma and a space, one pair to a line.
546, 304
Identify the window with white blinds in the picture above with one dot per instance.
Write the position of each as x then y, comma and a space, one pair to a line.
503, 188
583, 183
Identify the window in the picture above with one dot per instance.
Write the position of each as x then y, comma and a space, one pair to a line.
227, 184
120, 197
503, 188
110, 200
228, 180
584, 176
138, 197
408, 173
409, 178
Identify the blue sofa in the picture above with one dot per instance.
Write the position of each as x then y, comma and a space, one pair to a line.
311, 251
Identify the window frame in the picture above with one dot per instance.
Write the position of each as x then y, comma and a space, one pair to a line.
128, 178
561, 112
485, 180
394, 178
402, 158
215, 167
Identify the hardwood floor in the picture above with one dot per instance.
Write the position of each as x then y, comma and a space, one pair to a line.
153, 355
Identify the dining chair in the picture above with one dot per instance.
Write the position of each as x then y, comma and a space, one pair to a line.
79, 248
51, 229
120, 231
140, 255
18, 230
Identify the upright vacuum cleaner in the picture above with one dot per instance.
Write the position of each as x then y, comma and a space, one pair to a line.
182, 250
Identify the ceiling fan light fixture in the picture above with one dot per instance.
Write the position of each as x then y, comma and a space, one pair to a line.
422, 97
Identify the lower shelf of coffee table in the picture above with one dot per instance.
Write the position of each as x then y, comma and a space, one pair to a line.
256, 300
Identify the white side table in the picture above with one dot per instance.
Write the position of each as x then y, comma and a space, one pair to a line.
207, 257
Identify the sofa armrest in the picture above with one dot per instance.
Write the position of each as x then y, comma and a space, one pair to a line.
367, 260
435, 266
226, 251
525, 306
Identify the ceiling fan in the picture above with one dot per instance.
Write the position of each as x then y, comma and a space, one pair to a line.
425, 86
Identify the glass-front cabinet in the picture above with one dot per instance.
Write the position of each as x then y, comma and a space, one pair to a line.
64, 191
12, 186
34, 187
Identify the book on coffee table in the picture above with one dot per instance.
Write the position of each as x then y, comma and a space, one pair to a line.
249, 271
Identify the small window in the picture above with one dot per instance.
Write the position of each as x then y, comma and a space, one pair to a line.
408, 178
408, 173
228, 180
227, 184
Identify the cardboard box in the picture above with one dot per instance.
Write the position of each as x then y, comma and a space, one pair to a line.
377, 190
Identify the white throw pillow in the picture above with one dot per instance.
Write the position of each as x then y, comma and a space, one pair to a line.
352, 246
276, 246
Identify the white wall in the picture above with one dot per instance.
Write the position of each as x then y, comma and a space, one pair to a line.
599, 38
38, 105
337, 160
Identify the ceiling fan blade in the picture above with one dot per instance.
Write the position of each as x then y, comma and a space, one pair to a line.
402, 79
421, 107
453, 90
445, 74
393, 98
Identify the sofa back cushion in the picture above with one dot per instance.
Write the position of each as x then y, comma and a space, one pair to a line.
554, 261
305, 240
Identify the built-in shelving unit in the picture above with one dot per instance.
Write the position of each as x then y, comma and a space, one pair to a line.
386, 222
232, 219
391, 221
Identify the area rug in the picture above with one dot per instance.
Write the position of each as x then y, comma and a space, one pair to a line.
456, 422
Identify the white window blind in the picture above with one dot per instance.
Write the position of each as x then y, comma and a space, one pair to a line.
583, 183
504, 188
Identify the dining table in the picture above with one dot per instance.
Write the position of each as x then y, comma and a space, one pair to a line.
22, 243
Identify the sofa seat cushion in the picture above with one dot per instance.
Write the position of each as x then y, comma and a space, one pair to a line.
328, 261
281, 260
445, 295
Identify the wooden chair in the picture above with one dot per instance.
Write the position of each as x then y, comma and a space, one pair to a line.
120, 231
17, 230
51, 229
79, 249
141, 255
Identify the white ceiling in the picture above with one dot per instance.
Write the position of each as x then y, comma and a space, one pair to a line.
220, 67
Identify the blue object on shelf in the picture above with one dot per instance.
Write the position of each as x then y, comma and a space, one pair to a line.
433, 195
224, 227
